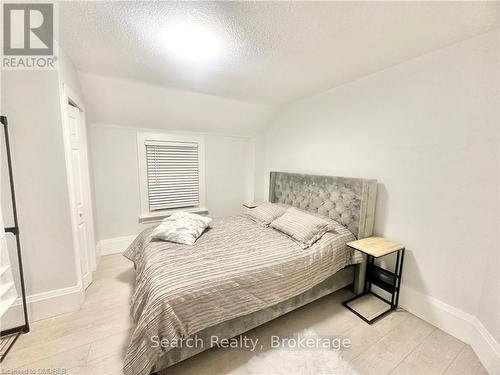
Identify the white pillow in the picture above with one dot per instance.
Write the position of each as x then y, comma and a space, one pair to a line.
181, 227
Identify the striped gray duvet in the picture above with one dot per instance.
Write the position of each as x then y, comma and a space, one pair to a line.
235, 268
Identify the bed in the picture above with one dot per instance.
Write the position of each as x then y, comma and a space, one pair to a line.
239, 274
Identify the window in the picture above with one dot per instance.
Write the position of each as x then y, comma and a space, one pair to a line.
171, 174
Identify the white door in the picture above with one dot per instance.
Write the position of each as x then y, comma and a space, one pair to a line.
79, 185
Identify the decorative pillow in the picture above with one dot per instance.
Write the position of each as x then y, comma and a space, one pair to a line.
305, 228
181, 227
264, 213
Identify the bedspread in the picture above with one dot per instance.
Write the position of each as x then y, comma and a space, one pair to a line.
235, 268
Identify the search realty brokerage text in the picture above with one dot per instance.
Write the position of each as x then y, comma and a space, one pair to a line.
243, 342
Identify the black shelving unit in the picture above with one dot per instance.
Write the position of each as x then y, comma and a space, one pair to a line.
384, 279
8, 337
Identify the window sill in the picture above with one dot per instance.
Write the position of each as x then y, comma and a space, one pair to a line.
148, 218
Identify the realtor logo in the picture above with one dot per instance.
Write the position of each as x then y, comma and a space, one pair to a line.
28, 29
28, 36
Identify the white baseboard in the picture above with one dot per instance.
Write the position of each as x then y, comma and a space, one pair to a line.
44, 305
455, 322
486, 348
115, 245
448, 318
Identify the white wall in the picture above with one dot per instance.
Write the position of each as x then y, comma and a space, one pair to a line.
130, 103
119, 108
67, 72
31, 101
228, 170
428, 130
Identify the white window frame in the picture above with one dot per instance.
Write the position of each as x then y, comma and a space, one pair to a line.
142, 137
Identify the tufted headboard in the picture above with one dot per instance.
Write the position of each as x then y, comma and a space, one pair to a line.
349, 201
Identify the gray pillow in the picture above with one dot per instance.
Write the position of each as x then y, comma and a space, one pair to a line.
303, 227
264, 213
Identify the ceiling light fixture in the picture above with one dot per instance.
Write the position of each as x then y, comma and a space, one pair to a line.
192, 42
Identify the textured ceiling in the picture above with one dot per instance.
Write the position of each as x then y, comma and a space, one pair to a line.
272, 52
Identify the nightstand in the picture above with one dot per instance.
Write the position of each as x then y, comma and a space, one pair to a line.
376, 247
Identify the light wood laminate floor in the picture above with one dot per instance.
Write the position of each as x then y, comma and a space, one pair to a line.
93, 340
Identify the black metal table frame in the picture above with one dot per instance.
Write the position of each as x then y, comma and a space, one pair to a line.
384, 279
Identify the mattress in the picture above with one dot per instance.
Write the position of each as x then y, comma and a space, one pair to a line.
235, 268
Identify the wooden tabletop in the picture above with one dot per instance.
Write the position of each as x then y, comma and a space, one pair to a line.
250, 204
376, 246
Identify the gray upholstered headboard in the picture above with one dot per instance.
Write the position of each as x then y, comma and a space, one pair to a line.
349, 201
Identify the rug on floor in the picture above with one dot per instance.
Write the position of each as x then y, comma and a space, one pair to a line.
291, 361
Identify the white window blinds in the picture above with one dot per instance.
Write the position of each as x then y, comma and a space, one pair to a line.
173, 174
